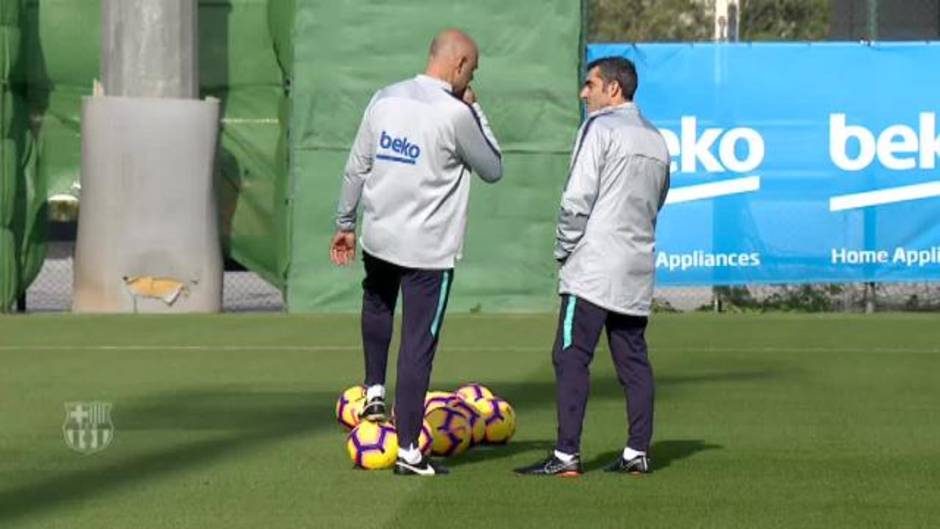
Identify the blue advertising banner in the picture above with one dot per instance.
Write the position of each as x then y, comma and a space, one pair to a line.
796, 162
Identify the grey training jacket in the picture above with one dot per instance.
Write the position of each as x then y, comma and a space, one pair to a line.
410, 168
606, 229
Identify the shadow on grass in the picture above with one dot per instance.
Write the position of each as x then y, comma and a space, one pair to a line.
243, 420
487, 453
662, 453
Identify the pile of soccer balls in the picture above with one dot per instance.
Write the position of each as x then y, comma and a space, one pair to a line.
453, 422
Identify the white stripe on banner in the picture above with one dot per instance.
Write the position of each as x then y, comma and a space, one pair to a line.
884, 196
734, 186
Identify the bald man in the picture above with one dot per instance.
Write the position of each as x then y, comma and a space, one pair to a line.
409, 168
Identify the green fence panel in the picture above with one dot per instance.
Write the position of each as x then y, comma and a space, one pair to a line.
21, 193
242, 48
9, 183
62, 52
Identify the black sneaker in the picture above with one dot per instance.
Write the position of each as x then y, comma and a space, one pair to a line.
636, 466
552, 466
422, 468
374, 410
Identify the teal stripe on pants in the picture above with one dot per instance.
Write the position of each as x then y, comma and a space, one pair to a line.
569, 321
436, 324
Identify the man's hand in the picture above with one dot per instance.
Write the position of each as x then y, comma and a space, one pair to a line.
343, 248
469, 97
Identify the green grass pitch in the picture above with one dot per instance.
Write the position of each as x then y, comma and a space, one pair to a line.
226, 422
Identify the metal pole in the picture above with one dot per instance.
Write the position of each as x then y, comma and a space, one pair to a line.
150, 48
734, 21
869, 298
872, 36
725, 30
721, 21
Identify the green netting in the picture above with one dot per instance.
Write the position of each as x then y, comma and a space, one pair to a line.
243, 44
62, 51
527, 82
21, 196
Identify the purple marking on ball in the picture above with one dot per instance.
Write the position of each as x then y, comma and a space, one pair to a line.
472, 414
454, 443
477, 392
383, 433
359, 448
443, 401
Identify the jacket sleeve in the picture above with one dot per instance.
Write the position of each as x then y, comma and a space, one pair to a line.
358, 167
577, 200
664, 192
476, 143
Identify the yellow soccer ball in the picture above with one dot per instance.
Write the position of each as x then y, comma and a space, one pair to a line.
473, 392
500, 420
436, 399
474, 419
373, 445
349, 406
450, 431
425, 438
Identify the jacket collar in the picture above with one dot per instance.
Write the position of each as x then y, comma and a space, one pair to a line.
629, 105
435, 81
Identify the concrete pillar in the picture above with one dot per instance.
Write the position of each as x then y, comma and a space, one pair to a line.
148, 238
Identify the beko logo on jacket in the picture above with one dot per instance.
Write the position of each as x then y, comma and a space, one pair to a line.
398, 149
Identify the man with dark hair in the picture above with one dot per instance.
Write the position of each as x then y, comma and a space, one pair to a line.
617, 70
604, 242
410, 167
